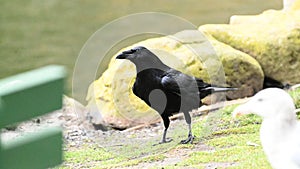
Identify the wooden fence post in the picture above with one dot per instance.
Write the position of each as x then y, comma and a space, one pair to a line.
25, 96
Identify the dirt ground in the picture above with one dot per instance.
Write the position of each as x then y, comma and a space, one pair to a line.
78, 131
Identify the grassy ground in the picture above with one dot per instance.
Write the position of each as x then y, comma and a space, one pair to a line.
221, 142
38, 32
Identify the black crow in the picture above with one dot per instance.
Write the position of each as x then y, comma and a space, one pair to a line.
167, 90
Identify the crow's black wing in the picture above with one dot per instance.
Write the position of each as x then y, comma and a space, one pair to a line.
177, 83
169, 84
182, 86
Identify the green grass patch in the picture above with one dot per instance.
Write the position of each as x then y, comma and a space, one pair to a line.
222, 123
240, 156
227, 137
97, 157
296, 96
228, 141
232, 141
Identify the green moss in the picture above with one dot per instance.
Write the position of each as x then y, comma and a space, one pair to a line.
240, 68
296, 96
270, 44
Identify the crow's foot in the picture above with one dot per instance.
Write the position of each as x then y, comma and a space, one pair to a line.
167, 140
188, 140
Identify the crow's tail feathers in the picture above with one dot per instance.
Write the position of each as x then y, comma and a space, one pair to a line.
203, 92
215, 89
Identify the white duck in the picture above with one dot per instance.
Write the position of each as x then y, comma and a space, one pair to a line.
280, 130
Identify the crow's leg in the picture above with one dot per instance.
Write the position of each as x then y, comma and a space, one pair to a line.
190, 137
164, 137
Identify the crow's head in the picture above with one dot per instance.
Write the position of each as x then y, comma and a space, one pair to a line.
142, 58
134, 53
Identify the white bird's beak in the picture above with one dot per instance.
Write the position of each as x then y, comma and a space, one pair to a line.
236, 114
241, 110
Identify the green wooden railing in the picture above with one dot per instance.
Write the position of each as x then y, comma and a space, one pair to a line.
23, 97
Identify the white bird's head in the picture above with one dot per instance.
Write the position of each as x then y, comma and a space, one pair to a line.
269, 103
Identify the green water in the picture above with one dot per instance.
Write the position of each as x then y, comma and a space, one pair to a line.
40, 32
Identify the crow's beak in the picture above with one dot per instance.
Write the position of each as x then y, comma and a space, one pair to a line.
125, 54
121, 56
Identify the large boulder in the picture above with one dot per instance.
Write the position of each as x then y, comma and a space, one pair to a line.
241, 70
187, 51
272, 38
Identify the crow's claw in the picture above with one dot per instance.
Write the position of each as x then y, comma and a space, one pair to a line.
188, 140
167, 140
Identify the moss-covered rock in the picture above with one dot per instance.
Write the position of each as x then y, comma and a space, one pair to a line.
241, 70
187, 51
272, 38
